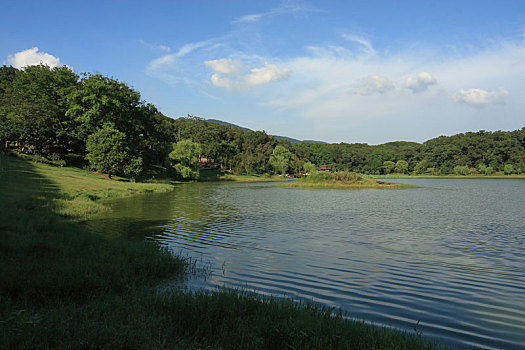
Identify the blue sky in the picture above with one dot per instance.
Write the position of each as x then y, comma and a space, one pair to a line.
337, 71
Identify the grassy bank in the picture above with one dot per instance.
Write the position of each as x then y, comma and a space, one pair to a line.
405, 176
215, 175
343, 180
62, 286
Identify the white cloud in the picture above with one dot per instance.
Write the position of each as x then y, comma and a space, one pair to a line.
366, 45
160, 62
288, 7
188, 48
267, 74
421, 82
373, 84
251, 18
226, 66
155, 46
233, 74
32, 57
479, 97
350, 89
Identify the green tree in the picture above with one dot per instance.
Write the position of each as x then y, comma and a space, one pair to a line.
508, 169
102, 100
184, 157
388, 166
488, 171
462, 170
33, 103
422, 167
308, 167
482, 168
280, 159
226, 153
108, 151
379, 156
401, 166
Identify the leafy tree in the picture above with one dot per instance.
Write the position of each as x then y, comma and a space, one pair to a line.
226, 153
7, 76
184, 156
33, 102
280, 159
508, 169
379, 157
482, 168
108, 151
489, 171
102, 100
402, 166
422, 167
462, 170
388, 166
309, 167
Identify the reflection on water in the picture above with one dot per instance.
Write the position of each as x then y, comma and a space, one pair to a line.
450, 254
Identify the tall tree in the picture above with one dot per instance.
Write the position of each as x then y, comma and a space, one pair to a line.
280, 159
184, 157
108, 151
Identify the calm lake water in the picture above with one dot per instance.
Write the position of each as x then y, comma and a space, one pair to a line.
450, 254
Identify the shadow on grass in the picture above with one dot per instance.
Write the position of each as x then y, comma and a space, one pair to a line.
50, 263
206, 175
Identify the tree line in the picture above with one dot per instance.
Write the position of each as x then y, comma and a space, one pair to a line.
58, 116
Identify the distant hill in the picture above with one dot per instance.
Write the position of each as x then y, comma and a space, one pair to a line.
216, 121
283, 138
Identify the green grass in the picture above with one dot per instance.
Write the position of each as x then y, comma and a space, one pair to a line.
343, 180
405, 176
64, 287
215, 175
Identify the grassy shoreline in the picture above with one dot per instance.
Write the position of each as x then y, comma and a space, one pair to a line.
404, 176
62, 286
343, 180
354, 186
215, 175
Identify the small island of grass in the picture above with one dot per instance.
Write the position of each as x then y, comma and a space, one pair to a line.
342, 180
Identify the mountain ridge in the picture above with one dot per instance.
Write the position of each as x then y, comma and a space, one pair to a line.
279, 137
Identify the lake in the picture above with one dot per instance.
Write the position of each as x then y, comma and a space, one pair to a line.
447, 258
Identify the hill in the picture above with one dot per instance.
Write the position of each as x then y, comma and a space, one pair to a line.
278, 137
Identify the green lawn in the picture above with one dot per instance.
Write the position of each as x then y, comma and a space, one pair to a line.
64, 287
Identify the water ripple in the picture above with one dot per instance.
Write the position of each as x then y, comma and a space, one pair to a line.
450, 254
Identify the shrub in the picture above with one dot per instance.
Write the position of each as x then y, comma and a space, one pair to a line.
462, 170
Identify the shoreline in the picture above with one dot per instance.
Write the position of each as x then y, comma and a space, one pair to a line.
354, 186
64, 286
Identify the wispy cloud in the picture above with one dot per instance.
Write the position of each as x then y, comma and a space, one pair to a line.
32, 57
365, 44
287, 7
373, 84
155, 46
173, 67
188, 48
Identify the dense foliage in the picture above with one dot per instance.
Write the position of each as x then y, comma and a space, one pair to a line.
185, 155
52, 114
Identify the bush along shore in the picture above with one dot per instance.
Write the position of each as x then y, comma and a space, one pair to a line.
342, 180
62, 286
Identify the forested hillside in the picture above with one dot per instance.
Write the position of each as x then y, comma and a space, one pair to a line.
57, 116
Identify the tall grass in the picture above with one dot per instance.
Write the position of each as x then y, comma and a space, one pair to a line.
345, 177
342, 180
